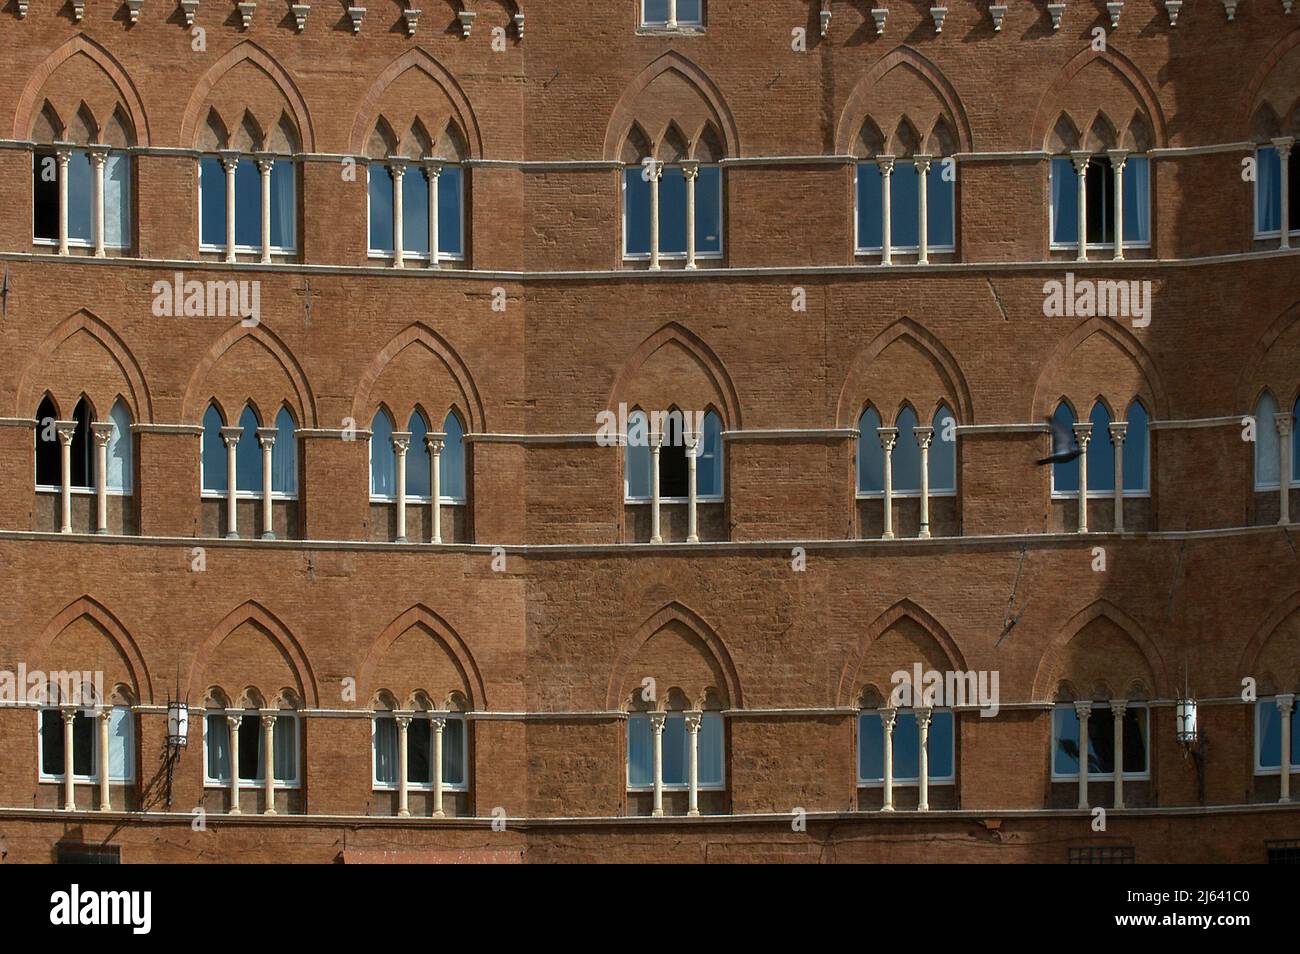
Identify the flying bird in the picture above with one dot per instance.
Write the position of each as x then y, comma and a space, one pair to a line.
1064, 447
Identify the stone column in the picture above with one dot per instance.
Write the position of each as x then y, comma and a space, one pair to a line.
924, 435
692, 458
1283, 147
1118, 432
437, 725
234, 721
105, 800
1117, 710
229, 162
656, 441
923, 716
231, 436
693, 762
433, 172
66, 431
397, 168
691, 170
1283, 422
1080, 160
656, 173
268, 761
923, 203
888, 438
63, 156
98, 159
102, 431
264, 164
887, 719
403, 786
401, 441
1083, 434
672, 14
1118, 157
69, 714
434, 444
1083, 710
1285, 705
657, 732
886, 174
266, 437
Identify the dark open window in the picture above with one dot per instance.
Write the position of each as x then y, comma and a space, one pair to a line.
45, 195
83, 472
1101, 201
250, 745
47, 446
674, 473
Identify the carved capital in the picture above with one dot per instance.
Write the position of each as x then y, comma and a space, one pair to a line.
66, 431
229, 160
102, 432
1083, 710
691, 169
1083, 434
888, 438
1118, 432
401, 441
657, 720
1285, 703
886, 164
693, 721
231, 435
1283, 422
266, 436
924, 435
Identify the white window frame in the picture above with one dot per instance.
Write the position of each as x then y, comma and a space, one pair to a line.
267, 762
206, 494
720, 786
1143, 776
252, 249
88, 243
407, 254
92, 714
898, 781
677, 256
685, 25
1056, 246
1261, 769
1254, 194
862, 251
426, 716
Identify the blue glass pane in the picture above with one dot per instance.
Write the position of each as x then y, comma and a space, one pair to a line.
636, 212
415, 211
283, 194
672, 211
871, 457
117, 200
453, 752
1295, 446
248, 204
708, 475
943, 452
1065, 741
1137, 201
1136, 456
870, 213
1101, 452
383, 459
907, 747
1268, 726
284, 455
214, 452
1065, 475
871, 747
636, 456
417, 458
640, 752
80, 197
451, 215
675, 752
940, 196
654, 11
248, 454
451, 468
904, 206
1065, 202
1268, 190
212, 201
939, 745
907, 454
119, 449
712, 747
708, 210
381, 207
688, 11
1267, 465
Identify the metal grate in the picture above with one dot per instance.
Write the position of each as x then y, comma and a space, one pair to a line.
1283, 852
88, 854
1107, 855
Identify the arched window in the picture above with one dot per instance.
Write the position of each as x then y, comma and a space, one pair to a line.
248, 454
906, 464
637, 475
708, 472
1101, 453
1268, 193
871, 457
674, 472
1267, 465
1065, 474
83, 466
418, 484
119, 476
383, 459
451, 466
943, 452
213, 454
1137, 451
1101, 202
49, 466
284, 455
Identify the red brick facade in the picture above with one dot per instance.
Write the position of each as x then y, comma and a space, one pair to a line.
545, 608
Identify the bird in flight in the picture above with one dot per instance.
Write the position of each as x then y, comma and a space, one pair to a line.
1064, 446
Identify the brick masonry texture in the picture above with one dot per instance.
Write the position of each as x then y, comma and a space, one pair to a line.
545, 609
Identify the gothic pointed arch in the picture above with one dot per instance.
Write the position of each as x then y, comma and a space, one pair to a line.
263, 653
694, 374
921, 367
1081, 365
59, 366
1270, 363
1115, 84
421, 650
260, 367
900, 636
416, 77
419, 366
73, 73
1100, 645
1275, 85
680, 650
901, 75
671, 88
85, 634
1270, 657
231, 86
